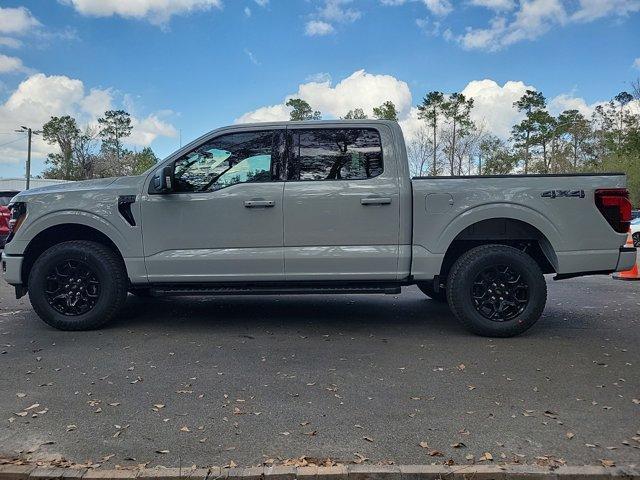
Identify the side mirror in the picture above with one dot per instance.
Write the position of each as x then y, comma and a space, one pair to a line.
163, 181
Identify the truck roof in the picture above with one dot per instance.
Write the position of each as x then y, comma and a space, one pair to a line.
315, 123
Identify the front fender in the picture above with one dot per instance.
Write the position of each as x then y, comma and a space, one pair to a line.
75, 217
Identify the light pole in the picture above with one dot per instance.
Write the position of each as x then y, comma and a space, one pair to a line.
29, 133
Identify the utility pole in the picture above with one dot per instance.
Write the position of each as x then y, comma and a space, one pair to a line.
29, 133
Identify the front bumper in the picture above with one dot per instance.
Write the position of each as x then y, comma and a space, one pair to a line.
12, 268
627, 258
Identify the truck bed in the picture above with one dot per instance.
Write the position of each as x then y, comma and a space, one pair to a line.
573, 233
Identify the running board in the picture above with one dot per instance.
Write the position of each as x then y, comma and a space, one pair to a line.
297, 288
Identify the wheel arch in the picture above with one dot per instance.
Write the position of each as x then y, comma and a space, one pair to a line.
55, 234
505, 230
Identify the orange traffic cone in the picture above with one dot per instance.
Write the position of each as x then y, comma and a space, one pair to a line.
632, 274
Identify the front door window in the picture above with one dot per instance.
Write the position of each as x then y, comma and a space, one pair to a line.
227, 160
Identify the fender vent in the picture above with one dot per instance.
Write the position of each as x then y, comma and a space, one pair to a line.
124, 207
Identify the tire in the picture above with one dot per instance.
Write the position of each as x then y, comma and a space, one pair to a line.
78, 285
427, 288
636, 239
478, 298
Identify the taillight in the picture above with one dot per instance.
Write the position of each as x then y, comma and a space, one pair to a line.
615, 207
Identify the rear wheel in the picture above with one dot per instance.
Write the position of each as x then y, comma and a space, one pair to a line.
77, 285
496, 291
636, 239
427, 289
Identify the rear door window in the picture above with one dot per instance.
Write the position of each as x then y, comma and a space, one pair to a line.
334, 154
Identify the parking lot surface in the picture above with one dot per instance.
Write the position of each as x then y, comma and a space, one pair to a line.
214, 380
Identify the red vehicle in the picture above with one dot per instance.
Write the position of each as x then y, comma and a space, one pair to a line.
5, 198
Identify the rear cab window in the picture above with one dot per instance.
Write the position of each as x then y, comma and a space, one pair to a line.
326, 154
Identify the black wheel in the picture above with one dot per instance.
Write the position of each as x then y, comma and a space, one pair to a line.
496, 291
77, 285
427, 289
636, 239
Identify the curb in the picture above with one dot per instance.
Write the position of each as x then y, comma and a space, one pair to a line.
346, 472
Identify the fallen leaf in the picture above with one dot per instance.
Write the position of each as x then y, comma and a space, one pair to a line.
608, 463
162, 451
486, 457
570, 435
458, 445
368, 439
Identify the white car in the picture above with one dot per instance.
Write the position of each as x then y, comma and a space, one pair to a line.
635, 231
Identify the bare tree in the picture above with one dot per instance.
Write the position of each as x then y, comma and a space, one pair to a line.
420, 151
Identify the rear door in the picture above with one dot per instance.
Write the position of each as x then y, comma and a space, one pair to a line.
341, 205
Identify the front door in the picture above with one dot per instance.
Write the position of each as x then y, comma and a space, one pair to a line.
341, 206
223, 221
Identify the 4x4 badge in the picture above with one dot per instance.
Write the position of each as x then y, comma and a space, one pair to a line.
563, 194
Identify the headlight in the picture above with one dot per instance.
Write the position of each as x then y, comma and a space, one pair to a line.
18, 214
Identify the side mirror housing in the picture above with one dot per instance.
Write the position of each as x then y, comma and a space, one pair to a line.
163, 181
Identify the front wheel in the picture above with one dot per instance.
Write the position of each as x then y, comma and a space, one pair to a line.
77, 285
496, 291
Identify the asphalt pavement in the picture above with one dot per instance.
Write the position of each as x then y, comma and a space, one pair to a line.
214, 380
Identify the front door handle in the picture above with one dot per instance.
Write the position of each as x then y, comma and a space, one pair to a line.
259, 203
375, 201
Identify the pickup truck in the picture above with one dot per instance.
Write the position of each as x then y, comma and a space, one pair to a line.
313, 207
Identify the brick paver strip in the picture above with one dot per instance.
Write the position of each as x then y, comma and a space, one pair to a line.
351, 472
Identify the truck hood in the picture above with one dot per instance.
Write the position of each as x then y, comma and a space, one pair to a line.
81, 186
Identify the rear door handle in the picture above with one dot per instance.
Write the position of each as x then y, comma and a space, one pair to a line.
375, 201
259, 203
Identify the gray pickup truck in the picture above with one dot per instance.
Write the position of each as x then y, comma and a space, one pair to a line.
312, 207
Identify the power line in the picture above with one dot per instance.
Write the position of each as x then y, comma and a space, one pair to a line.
12, 141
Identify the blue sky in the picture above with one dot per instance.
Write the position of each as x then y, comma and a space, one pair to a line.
194, 65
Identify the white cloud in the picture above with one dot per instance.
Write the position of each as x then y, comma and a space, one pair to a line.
359, 90
335, 11
329, 13
533, 19
438, 7
318, 28
17, 21
10, 42
11, 64
156, 11
147, 129
262, 3
247, 12
636, 63
493, 104
567, 101
589, 10
39, 97
494, 4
